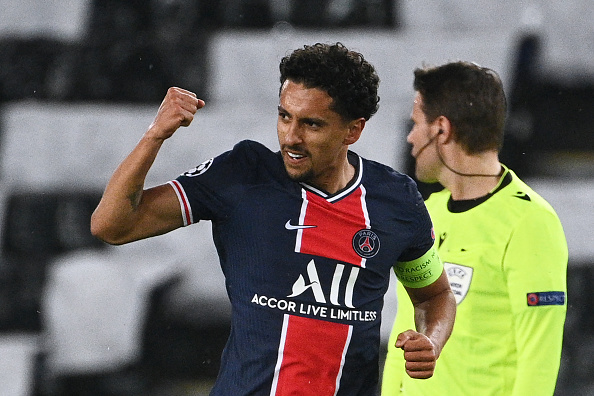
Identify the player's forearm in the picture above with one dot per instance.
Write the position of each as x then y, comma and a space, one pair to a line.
435, 318
117, 212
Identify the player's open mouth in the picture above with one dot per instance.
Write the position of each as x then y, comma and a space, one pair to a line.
295, 156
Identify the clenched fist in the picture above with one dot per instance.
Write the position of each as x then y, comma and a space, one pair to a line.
419, 352
176, 110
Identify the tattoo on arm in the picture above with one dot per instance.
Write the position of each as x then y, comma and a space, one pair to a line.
135, 197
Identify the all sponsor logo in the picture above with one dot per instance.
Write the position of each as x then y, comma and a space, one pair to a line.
333, 303
312, 283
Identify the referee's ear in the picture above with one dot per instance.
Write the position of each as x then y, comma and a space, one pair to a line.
444, 129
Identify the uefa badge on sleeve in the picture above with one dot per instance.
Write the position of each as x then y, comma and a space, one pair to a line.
546, 298
200, 169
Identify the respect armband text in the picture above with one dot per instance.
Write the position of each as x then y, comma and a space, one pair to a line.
420, 272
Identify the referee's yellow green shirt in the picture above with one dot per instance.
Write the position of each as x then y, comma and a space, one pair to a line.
506, 260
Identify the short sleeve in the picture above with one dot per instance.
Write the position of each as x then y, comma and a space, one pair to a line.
211, 190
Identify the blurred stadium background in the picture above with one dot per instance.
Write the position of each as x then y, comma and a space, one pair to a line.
80, 80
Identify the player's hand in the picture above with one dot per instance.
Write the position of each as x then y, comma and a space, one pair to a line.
419, 352
177, 110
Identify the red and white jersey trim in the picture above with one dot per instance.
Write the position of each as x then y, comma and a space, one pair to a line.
186, 209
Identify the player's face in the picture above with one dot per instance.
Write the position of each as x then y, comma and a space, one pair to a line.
424, 149
313, 138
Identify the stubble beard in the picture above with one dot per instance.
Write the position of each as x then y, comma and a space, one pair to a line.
300, 177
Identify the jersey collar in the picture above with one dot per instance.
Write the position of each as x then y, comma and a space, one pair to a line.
354, 160
459, 206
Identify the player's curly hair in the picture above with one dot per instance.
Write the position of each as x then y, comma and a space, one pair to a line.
345, 75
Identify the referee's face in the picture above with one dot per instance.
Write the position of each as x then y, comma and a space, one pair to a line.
423, 138
313, 138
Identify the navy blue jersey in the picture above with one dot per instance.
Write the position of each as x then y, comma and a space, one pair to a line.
305, 271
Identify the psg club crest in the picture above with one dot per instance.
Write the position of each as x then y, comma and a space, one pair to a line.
366, 243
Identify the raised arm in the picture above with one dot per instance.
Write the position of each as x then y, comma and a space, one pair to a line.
126, 211
435, 311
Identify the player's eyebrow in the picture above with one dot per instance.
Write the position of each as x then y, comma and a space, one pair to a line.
304, 120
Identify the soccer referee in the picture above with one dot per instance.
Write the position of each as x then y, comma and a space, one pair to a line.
502, 245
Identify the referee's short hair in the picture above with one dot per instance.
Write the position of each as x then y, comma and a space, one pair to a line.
471, 97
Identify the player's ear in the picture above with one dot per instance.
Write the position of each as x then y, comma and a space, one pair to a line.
355, 129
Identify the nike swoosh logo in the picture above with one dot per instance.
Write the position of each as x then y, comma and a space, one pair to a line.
442, 238
290, 226
523, 196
